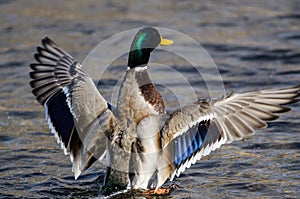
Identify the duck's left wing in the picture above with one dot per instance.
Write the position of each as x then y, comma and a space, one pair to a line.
198, 129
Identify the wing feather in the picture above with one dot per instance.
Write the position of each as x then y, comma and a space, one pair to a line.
196, 130
76, 112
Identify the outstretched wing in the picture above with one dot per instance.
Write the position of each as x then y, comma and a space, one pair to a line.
76, 112
202, 127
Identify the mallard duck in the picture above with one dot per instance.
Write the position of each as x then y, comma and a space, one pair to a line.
143, 145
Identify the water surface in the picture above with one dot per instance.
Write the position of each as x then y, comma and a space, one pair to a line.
255, 44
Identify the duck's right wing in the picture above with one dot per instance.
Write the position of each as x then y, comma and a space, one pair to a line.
77, 114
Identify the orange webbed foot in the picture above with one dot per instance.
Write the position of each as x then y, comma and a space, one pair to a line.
161, 190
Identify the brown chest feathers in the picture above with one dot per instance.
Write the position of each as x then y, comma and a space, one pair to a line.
149, 91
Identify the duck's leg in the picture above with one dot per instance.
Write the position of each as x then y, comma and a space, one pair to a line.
161, 190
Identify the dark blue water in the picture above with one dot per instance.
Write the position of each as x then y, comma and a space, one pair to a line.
255, 44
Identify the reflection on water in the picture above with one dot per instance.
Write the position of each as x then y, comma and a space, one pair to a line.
254, 44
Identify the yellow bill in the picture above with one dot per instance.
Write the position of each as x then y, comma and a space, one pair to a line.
165, 42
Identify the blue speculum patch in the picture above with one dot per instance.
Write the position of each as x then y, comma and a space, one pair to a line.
189, 143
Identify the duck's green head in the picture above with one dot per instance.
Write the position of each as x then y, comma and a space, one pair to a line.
145, 41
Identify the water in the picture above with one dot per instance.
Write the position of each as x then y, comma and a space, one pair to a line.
255, 45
